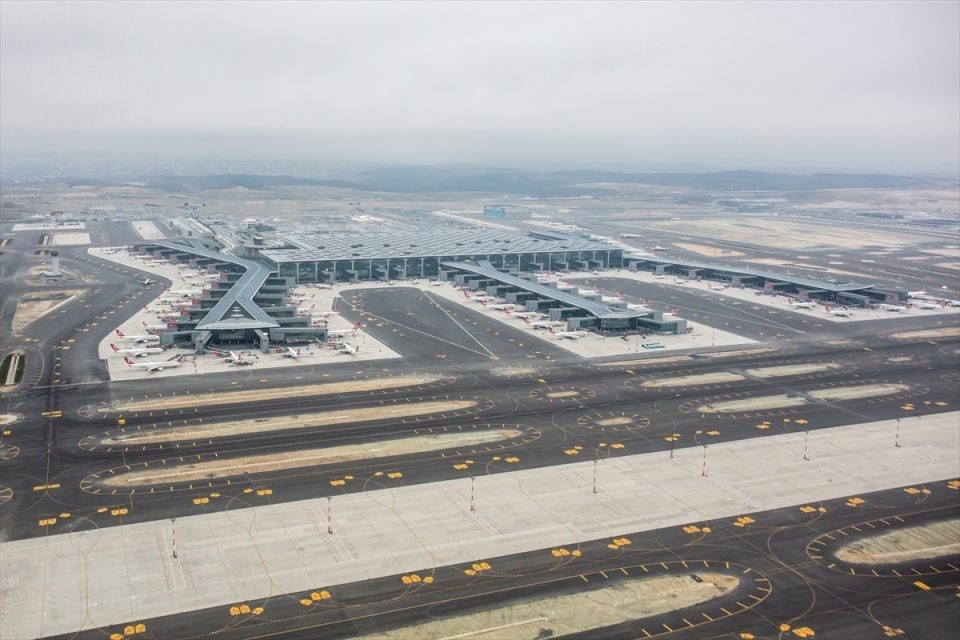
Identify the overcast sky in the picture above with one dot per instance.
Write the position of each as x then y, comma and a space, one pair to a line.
832, 85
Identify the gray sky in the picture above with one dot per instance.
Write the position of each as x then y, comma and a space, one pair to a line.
833, 85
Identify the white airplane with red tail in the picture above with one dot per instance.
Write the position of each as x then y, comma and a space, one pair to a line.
150, 367
142, 339
136, 353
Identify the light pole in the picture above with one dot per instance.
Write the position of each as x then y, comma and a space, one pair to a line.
595, 475
806, 437
473, 504
329, 514
173, 529
896, 443
703, 471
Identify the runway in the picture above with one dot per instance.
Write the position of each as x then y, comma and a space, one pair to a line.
570, 412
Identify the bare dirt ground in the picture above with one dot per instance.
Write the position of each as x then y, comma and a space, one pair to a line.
206, 470
209, 430
231, 397
790, 234
717, 377
720, 377
791, 370
910, 543
944, 332
740, 352
574, 612
32, 308
785, 400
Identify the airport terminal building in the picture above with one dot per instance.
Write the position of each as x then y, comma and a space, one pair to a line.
317, 257
250, 302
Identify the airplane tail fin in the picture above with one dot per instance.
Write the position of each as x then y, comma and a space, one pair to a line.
114, 347
119, 333
128, 361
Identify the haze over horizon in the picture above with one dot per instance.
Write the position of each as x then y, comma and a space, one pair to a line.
859, 87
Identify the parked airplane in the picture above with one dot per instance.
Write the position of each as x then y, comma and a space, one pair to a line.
841, 312
239, 359
136, 353
500, 306
916, 294
570, 335
522, 314
717, 287
343, 347
808, 304
922, 304
545, 324
436, 283
290, 353
891, 307
153, 366
153, 328
479, 298
344, 332
142, 339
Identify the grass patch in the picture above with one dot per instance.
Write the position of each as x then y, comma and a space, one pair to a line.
5, 368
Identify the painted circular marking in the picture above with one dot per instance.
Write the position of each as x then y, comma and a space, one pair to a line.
562, 394
6, 419
5, 494
519, 371
613, 421
8, 452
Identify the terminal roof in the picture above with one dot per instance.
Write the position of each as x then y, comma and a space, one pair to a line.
316, 247
236, 309
802, 281
486, 269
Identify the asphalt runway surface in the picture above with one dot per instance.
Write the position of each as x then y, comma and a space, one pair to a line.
784, 559
53, 463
